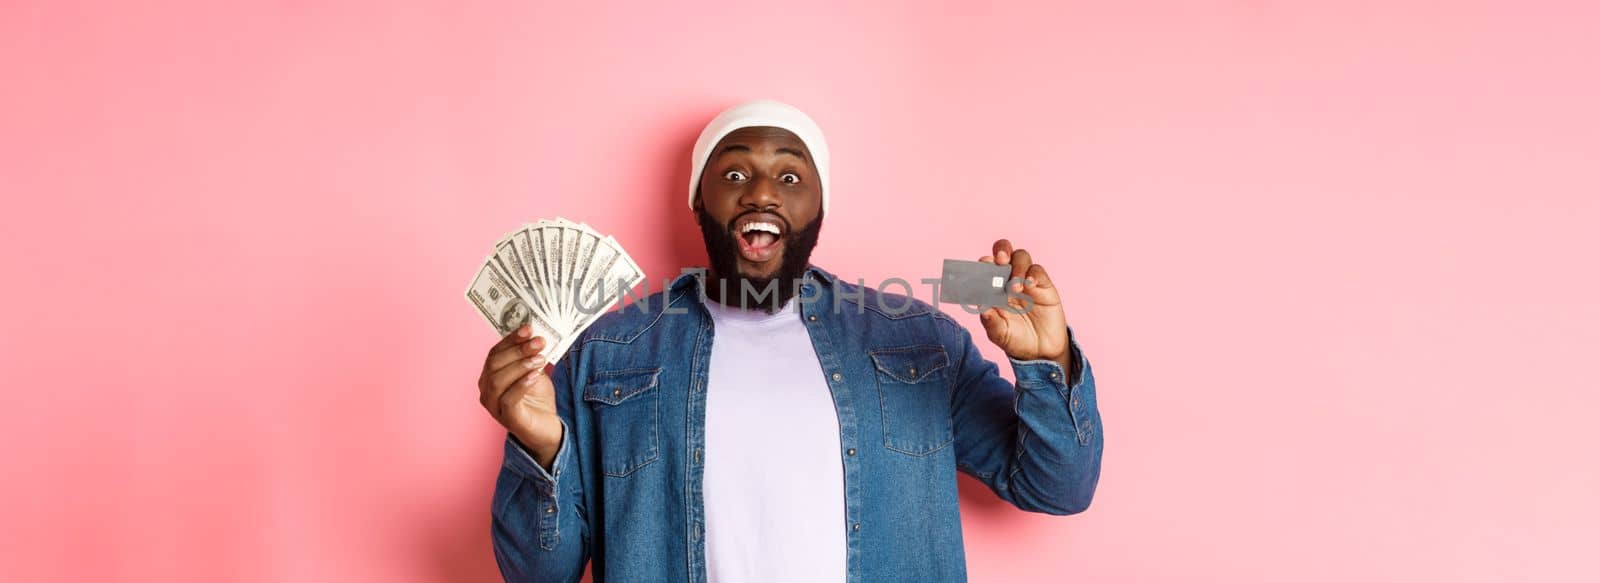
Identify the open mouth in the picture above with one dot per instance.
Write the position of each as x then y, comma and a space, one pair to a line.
760, 237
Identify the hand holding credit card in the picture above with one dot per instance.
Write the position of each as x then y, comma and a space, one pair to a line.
1019, 305
974, 283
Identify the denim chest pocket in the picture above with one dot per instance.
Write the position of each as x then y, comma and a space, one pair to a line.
914, 393
626, 411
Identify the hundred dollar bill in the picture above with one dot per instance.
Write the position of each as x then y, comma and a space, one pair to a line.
587, 240
522, 241
505, 253
551, 258
614, 274
572, 235
505, 308
557, 276
627, 270
597, 291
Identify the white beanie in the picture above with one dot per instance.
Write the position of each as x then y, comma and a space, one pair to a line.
761, 112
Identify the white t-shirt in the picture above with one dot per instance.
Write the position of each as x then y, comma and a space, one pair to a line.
774, 474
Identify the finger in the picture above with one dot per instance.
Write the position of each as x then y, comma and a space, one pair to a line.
1002, 252
535, 383
1020, 262
510, 373
1040, 288
509, 354
514, 338
524, 362
507, 378
986, 259
994, 325
510, 397
1038, 277
492, 400
522, 334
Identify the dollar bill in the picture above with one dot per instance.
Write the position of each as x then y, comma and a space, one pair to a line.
557, 276
497, 298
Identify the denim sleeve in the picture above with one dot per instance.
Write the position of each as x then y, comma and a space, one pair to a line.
1037, 443
537, 525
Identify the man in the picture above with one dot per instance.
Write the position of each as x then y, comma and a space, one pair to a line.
767, 421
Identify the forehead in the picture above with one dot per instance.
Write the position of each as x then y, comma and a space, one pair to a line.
761, 138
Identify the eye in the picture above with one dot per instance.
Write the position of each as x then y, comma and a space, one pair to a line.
734, 175
790, 178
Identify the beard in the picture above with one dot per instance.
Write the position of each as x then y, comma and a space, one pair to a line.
765, 293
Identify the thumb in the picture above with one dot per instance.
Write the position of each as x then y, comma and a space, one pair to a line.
995, 325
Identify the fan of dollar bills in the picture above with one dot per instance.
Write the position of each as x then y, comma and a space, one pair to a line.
557, 276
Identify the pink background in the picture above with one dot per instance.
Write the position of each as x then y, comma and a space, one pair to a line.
1334, 264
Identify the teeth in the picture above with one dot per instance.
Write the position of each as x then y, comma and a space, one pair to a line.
760, 226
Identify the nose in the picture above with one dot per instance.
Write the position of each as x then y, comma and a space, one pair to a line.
762, 194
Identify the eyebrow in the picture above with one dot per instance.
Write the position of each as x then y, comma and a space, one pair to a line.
743, 148
792, 152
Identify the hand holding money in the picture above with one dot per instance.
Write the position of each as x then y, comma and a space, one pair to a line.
517, 393
543, 285
556, 276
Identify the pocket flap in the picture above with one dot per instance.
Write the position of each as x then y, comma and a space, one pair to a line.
615, 386
910, 364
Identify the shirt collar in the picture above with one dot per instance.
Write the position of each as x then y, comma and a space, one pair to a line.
692, 280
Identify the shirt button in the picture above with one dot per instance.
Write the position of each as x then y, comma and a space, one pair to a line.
857, 526
913, 372
1055, 375
697, 455
837, 377
616, 392
549, 510
851, 451
812, 317
1076, 404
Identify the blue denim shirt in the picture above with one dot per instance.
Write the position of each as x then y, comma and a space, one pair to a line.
915, 399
